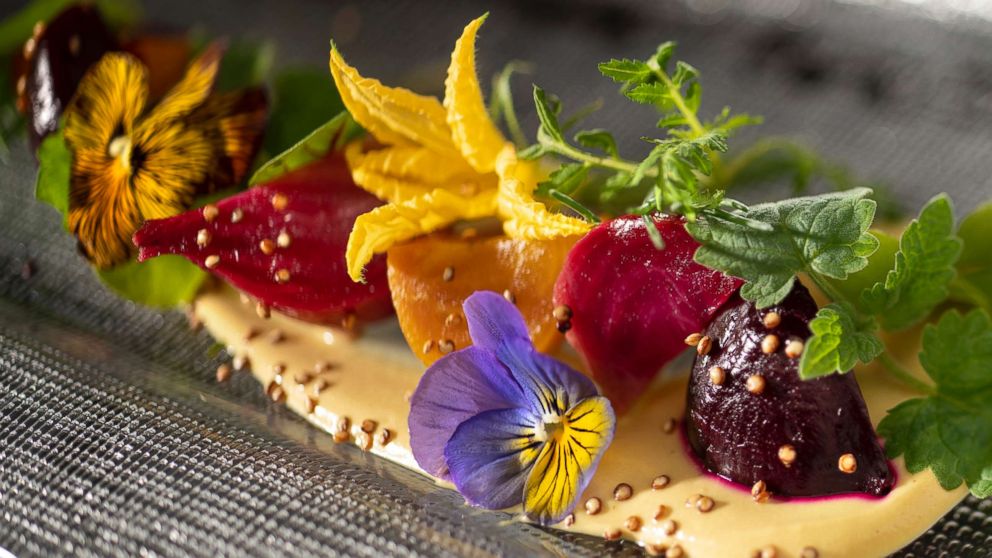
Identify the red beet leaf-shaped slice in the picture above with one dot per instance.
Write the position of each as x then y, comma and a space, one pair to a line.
283, 242
632, 305
801, 438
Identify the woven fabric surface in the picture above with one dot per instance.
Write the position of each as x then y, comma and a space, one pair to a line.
114, 438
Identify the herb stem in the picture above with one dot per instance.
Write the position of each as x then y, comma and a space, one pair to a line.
679, 101
621, 165
905, 376
824, 285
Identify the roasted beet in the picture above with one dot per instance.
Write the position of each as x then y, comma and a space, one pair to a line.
282, 242
56, 58
779, 429
632, 305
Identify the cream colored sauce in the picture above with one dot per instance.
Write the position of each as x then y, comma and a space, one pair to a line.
373, 375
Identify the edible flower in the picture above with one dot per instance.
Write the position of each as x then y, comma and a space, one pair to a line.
130, 165
436, 163
506, 424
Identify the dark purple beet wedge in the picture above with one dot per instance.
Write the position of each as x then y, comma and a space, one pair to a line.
751, 419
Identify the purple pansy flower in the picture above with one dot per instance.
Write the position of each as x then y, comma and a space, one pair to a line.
506, 424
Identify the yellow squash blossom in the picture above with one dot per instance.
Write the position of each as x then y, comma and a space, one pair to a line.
132, 162
439, 163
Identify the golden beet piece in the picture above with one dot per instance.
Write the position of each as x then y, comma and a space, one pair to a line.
431, 276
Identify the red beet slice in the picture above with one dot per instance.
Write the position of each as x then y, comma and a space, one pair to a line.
282, 242
632, 304
739, 434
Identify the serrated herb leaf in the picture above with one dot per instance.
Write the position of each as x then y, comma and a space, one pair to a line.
648, 94
839, 340
950, 431
334, 134
924, 267
598, 139
825, 234
547, 115
54, 164
625, 70
565, 179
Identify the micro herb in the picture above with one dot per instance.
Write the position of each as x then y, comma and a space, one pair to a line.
875, 281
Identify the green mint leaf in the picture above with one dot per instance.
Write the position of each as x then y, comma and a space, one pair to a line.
974, 282
924, 267
332, 135
565, 179
162, 282
625, 70
302, 100
950, 431
548, 116
54, 167
598, 139
838, 342
684, 73
825, 234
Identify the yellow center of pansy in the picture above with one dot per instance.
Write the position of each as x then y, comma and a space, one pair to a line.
440, 163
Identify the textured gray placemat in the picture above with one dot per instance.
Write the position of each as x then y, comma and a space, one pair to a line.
114, 439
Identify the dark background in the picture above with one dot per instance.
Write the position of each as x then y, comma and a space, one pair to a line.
115, 440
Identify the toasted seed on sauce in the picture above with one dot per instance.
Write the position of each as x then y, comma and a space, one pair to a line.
446, 346
283, 240
669, 426
223, 372
633, 523
448, 274
369, 426
282, 276
623, 491
669, 527
809, 552
674, 551
383, 437
211, 261
569, 520
611, 534
237, 215
662, 512
593, 505
509, 296
705, 504
428, 346
659, 482
262, 310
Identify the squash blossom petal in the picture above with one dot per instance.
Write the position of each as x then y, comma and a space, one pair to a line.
506, 424
437, 163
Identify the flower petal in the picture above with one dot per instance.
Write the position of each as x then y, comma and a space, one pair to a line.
398, 173
493, 321
523, 216
495, 324
490, 454
569, 459
473, 132
375, 231
112, 94
454, 389
189, 93
393, 115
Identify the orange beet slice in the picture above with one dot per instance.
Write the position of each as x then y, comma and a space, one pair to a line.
430, 277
